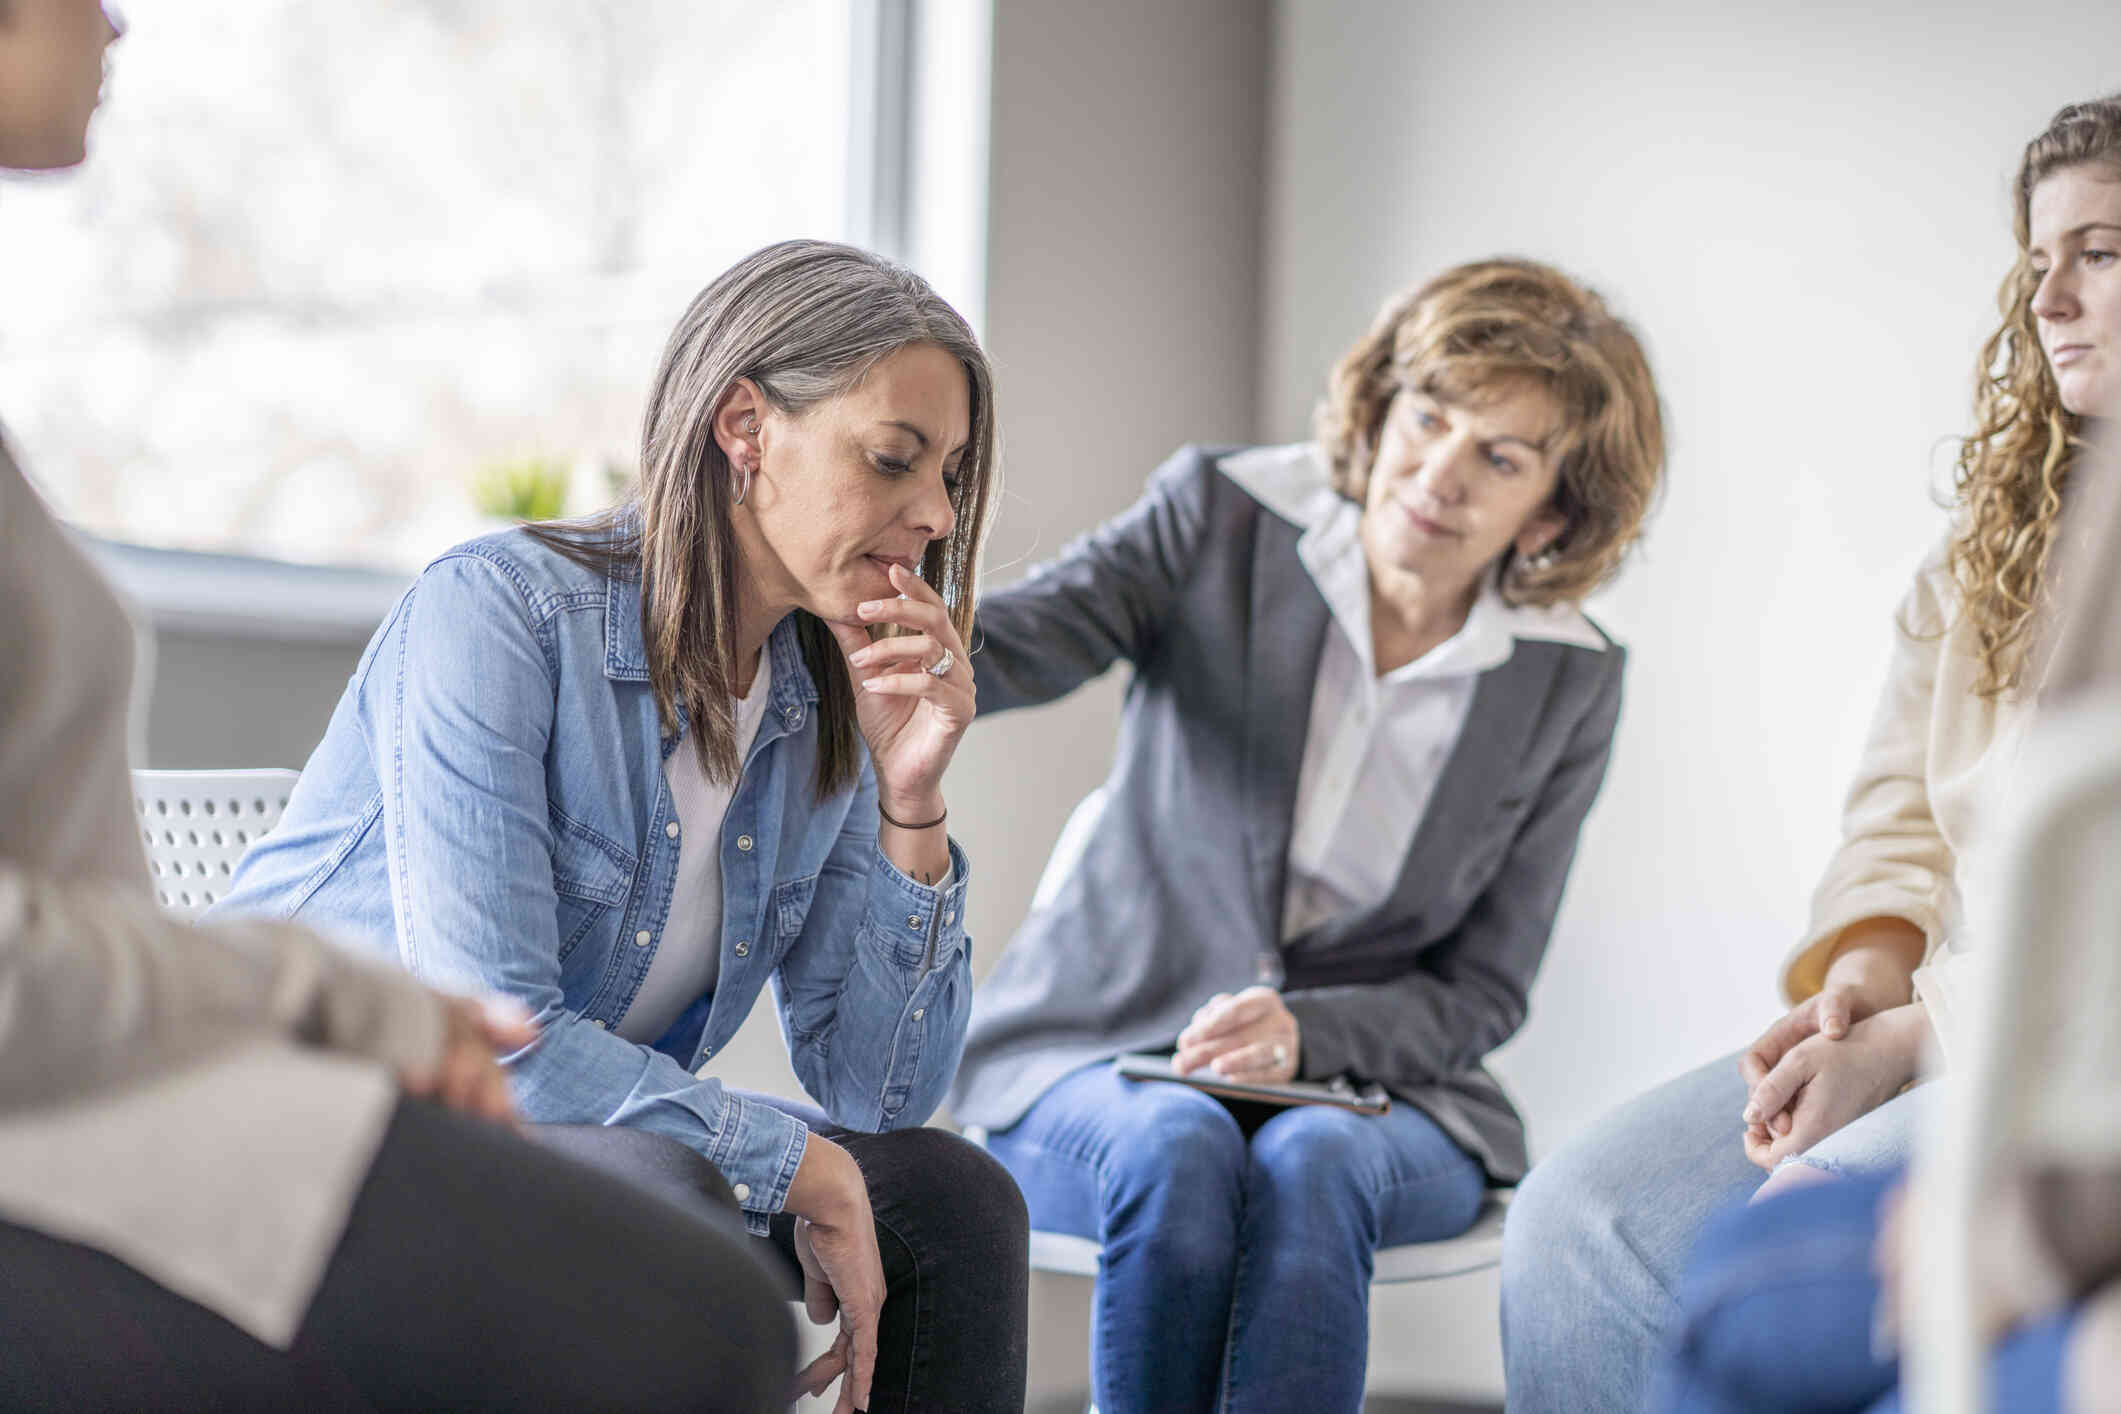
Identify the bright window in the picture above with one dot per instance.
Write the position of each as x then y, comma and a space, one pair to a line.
334, 266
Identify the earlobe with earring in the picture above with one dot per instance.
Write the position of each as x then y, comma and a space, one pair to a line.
748, 469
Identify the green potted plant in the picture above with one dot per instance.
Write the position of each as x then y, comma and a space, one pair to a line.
522, 488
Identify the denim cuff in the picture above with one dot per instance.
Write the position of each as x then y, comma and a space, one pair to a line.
919, 927
758, 1151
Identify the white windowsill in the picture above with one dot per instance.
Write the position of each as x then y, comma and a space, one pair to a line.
237, 596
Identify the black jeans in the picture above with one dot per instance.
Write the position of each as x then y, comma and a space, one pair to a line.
954, 1237
477, 1271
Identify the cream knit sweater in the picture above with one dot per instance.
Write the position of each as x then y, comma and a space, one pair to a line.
1916, 825
200, 1103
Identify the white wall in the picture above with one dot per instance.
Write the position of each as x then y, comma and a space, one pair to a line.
1803, 209
1803, 212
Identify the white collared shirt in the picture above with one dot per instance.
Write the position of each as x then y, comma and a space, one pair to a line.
1376, 746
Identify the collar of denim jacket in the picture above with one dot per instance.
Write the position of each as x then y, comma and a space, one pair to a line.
626, 652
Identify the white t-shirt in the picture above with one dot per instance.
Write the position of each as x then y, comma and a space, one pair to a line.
688, 960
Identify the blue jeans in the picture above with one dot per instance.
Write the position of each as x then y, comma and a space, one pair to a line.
1238, 1242
1598, 1234
1777, 1310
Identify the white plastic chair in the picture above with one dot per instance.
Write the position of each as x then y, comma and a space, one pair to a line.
1476, 1249
197, 824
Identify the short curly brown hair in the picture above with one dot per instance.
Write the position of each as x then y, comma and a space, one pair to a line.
1494, 324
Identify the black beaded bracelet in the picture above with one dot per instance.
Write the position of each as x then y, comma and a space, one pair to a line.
901, 824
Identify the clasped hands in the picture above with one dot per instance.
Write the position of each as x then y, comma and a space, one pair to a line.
1833, 1058
1250, 1036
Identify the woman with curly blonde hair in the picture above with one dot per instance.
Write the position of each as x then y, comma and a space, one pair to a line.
1366, 719
1598, 1234
2032, 401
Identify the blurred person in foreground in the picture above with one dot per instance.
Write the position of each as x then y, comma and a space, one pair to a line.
238, 1167
1599, 1233
1366, 720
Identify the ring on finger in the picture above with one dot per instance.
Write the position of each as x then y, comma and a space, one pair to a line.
1281, 1055
941, 667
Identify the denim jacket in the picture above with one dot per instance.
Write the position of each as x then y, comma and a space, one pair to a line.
488, 806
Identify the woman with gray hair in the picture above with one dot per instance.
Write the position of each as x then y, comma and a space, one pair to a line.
629, 771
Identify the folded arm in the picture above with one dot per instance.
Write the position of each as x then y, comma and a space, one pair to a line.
1888, 879
98, 987
876, 991
1877, 913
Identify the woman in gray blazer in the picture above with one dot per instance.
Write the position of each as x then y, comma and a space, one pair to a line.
1365, 723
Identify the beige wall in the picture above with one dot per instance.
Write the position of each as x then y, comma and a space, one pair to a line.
1122, 304
1122, 310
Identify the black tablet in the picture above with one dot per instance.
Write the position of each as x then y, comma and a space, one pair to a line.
1369, 1100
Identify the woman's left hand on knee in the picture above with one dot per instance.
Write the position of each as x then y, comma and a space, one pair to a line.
1251, 1036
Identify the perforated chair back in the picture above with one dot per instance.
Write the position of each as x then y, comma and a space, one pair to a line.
197, 824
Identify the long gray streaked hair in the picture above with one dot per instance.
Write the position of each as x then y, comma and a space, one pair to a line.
805, 321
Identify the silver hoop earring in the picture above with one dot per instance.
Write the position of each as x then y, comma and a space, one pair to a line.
749, 470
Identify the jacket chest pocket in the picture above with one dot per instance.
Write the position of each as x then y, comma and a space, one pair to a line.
590, 876
791, 906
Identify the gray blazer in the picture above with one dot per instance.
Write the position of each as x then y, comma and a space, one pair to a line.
1178, 891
